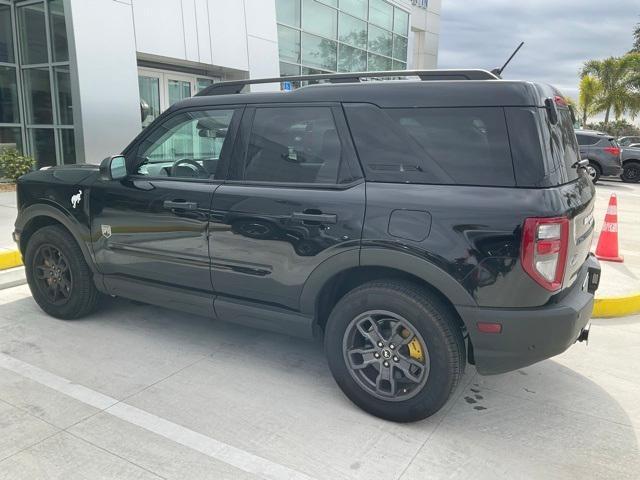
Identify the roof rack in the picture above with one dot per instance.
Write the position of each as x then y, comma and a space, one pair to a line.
236, 86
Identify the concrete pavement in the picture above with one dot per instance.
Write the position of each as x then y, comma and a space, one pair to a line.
8, 212
136, 391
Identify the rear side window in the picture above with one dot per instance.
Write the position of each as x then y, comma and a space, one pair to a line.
455, 146
564, 146
293, 145
586, 139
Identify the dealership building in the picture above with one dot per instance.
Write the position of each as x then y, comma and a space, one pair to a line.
80, 78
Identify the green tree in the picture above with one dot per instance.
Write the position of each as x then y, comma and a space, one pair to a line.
618, 77
590, 90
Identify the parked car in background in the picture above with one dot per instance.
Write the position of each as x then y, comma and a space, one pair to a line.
631, 164
602, 151
628, 141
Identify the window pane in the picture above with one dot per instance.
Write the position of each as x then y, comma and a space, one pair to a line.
37, 91
397, 65
293, 145
470, 144
58, 31
319, 19
400, 22
319, 52
355, 7
33, 37
43, 146
289, 44
381, 13
399, 47
10, 138
378, 63
149, 88
6, 40
288, 11
380, 41
202, 83
352, 31
333, 3
288, 70
196, 138
351, 59
65, 104
178, 90
9, 112
68, 144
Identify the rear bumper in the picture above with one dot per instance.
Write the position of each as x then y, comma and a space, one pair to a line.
533, 334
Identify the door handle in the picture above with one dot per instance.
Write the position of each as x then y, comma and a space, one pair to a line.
315, 217
182, 205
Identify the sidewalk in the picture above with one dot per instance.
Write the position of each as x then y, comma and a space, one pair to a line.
8, 214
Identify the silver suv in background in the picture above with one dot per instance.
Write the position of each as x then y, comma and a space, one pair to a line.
629, 141
602, 151
631, 164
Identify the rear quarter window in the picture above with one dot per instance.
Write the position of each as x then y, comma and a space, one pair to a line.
564, 145
455, 146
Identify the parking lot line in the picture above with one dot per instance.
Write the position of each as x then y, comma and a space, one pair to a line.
216, 449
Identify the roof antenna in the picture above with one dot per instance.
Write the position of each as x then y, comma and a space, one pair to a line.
498, 71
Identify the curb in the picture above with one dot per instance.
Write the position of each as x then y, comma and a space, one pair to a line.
616, 306
10, 259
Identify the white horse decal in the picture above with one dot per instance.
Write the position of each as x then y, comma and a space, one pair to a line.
75, 199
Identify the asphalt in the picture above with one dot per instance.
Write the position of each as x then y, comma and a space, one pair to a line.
139, 392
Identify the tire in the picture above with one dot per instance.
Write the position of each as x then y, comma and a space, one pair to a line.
631, 172
594, 171
63, 285
432, 323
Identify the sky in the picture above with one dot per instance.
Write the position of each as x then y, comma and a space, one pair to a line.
559, 36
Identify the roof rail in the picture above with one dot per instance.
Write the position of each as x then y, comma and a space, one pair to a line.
236, 86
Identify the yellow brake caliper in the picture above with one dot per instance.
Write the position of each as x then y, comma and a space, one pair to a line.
415, 349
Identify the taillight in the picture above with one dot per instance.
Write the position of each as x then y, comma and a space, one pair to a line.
615, 151
545, 242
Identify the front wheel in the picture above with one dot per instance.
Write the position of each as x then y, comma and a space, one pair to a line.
60, 280
395, 350
631, 172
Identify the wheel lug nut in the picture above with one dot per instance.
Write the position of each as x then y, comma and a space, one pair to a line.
392, 346
386, 364
380, 344
377, 355
396, 359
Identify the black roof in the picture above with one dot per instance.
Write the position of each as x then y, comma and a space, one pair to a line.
397, 93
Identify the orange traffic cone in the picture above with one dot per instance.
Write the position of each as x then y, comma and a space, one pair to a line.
607, 248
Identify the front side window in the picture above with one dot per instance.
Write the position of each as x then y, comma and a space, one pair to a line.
293, 145
188, 145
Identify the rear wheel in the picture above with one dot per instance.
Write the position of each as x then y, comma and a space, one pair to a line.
593, 169
395, 350
631, 172
58, 275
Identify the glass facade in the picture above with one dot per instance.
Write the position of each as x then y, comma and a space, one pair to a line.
322, 36
36, 107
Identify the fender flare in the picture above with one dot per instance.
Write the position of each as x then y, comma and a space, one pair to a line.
80, 233
379, 257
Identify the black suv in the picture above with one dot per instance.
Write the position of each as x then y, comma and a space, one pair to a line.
414, 226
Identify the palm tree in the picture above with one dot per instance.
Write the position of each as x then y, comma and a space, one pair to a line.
590, 90
618, 78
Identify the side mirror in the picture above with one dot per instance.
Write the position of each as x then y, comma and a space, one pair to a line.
113, 168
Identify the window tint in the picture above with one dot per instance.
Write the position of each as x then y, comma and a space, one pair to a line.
433, 145
293, 145
188, 145
586, 139
564, 146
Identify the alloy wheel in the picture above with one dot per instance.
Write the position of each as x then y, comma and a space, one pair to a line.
52, 274
386, 355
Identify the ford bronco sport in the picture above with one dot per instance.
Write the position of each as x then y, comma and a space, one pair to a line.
413, 226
